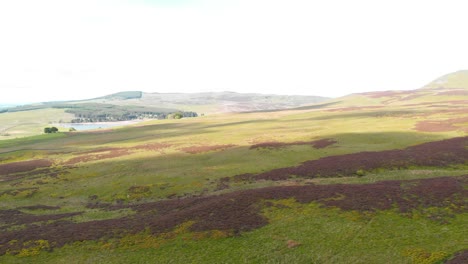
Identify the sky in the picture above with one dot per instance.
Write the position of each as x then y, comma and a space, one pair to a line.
67, 49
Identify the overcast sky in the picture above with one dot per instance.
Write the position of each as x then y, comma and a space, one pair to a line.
67, 49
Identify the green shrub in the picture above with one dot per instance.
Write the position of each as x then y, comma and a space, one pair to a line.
360, 173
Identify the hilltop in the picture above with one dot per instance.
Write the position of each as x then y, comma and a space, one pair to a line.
455, 80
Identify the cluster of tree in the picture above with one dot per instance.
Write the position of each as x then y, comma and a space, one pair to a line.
177, 115
49, 130
85, 118
107, 117
97, 112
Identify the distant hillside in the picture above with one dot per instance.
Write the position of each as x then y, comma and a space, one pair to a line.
30, 119
448, 89
455, 80
211, 102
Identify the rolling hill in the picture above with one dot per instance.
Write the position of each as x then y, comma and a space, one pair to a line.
455, 80
211, 102
28, 120
376, 177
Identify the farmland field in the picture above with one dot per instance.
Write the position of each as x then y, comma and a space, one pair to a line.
369, 178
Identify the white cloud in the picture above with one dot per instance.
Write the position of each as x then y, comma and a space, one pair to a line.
67, 49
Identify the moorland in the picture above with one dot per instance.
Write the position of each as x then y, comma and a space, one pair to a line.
378, 177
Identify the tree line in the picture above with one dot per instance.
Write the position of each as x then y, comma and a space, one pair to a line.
90, 117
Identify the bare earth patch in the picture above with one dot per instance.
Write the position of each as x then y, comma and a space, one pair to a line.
206, 148
152, 146
23, 166
108, 153
94, 151
442, 126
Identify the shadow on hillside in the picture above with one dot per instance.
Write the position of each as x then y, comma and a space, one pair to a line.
307, 107
241, 159
72, 140
69, 141
256, 121
364, 114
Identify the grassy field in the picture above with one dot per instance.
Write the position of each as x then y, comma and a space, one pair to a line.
29, 123
179, 160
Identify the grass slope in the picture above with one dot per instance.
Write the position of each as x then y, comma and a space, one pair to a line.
29, 123
453, 80
107, 175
